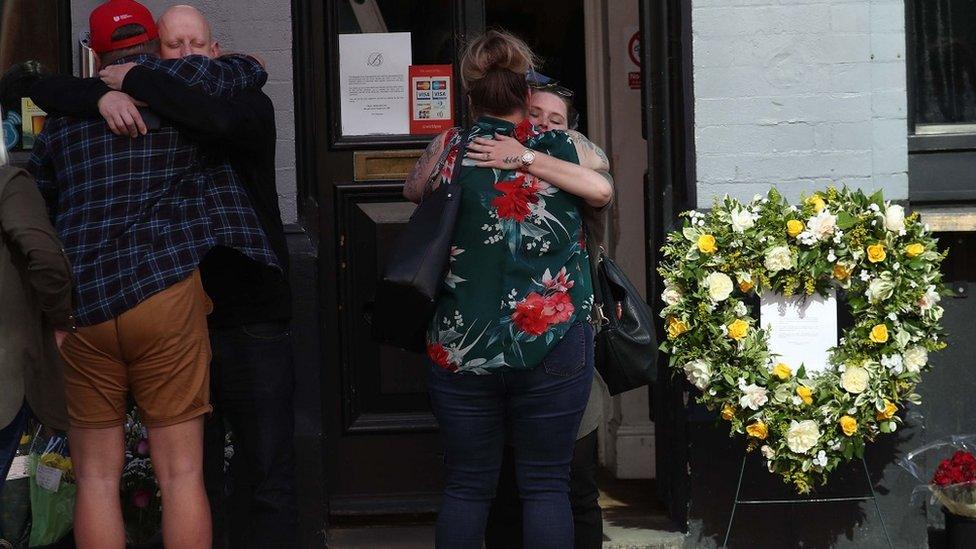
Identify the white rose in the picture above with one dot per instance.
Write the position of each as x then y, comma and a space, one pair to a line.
753, 396
929, 299
802, 435
671, 295
854, 380
719, 286
915, 358
742, 220
767, 452
822, 225
879, 290
895, 363
698, 372
778, 259
895, 218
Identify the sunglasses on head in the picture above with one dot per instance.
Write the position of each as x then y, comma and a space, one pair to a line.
552, 87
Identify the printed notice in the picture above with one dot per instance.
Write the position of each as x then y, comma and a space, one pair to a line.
373, 70
431, 104
800, 331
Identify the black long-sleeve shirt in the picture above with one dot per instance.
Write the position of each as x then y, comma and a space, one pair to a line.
243, 129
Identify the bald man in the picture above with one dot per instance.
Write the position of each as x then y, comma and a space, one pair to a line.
252, 372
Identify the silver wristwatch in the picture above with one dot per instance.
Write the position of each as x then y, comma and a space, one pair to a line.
527, 158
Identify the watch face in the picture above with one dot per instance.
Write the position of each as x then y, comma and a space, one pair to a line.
528, 157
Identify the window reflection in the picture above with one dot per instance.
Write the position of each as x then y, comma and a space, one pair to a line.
944, 34
30, 45
429, 21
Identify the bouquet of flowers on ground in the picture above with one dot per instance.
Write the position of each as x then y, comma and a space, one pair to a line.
141, 501
52, 487
954, 484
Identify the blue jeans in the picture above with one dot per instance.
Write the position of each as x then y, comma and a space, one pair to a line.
252, 381
10, 440
541, 410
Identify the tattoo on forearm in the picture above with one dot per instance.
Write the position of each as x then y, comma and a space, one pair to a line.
416, 180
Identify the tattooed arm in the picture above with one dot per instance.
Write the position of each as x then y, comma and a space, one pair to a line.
589, 180
414, 188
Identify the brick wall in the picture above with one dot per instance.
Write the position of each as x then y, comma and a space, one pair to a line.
799, 94
260, 28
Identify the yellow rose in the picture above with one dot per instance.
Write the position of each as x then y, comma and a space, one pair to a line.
848, 425
676, 327
738, 329
706, 244
841, 272
728, 412
757, 430
794, 227
879, 334
745, 286
817, 202
888, 412
782, 371
914, 250
876, 253
805, 394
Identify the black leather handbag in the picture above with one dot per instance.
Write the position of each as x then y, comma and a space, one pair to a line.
626, 344
406, 294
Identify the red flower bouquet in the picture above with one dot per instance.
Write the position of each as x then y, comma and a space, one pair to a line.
954, 484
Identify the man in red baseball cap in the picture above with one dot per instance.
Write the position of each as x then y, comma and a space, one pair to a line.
122, 27
141, 214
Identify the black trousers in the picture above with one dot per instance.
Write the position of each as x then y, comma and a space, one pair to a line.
252, 380
505, 519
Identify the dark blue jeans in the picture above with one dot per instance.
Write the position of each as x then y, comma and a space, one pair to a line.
10, 436
252, 381
541, 410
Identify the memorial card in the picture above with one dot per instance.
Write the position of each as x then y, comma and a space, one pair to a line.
373, 70
800, 330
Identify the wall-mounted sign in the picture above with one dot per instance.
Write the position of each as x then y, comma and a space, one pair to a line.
373, 71
431, 101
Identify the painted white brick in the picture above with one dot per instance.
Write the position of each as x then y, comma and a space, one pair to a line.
799, 94
850, 17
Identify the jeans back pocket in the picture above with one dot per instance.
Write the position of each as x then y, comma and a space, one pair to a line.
568, 357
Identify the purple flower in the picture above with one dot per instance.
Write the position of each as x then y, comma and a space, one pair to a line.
140, 498
142, 448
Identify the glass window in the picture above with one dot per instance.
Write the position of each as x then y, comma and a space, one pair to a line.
944, 51
31, 43
429, 21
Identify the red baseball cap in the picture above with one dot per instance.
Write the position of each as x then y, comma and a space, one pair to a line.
108, 17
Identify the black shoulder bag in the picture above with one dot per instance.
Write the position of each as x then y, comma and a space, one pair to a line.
406, 294
626, 345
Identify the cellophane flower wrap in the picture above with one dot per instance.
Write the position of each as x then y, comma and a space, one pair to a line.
948, 467
141, 500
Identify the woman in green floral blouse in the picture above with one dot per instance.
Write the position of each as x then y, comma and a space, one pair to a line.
510, 342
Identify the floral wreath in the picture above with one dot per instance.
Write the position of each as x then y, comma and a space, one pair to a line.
885, 263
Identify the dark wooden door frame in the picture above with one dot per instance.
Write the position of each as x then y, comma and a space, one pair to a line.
322, 163
668, 123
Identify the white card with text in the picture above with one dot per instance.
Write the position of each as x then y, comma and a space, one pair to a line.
800, 331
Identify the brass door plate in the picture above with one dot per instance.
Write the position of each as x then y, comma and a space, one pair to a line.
384, 165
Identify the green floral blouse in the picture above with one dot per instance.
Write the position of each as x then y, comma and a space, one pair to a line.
519, 272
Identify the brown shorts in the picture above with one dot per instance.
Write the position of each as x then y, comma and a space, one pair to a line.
159, 350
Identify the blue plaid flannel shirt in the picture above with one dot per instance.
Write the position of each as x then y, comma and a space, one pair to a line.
137, 215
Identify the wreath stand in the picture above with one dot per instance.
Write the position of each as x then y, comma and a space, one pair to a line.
867, 477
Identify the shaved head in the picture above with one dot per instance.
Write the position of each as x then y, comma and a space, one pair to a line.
183, 31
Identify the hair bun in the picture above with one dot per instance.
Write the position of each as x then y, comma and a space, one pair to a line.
496, 51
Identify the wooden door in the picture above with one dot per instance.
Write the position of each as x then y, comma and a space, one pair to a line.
382, 451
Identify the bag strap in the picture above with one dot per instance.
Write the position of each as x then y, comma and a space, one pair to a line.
598, 297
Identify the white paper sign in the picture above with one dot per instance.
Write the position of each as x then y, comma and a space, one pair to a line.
373, 69
800, 332
18, 469
49, 478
